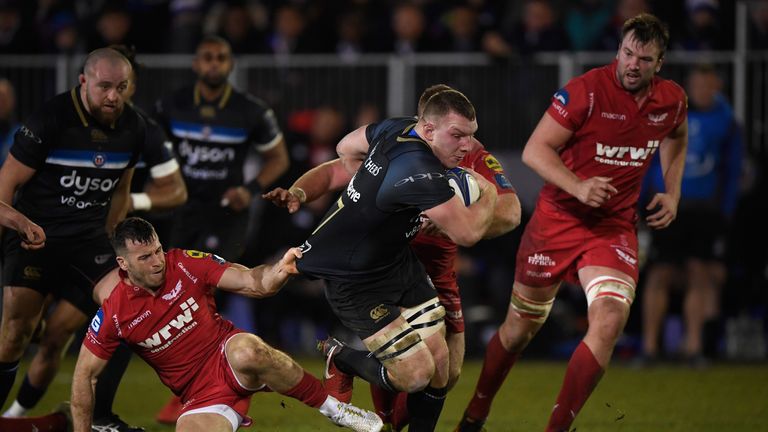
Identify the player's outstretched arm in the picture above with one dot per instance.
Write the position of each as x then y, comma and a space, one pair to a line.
326, 177
261, 281
88, 367
672, 155
541, 155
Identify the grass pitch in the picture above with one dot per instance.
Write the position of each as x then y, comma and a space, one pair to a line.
720, 398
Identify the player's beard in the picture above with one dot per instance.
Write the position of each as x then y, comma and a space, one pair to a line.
633, 87
214, 81
102, 116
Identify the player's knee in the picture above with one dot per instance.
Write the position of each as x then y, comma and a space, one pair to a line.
250, 351
454, 373
418, 376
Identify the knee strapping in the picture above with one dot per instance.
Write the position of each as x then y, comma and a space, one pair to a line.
401, 341
532, 310
426, 318
610, 287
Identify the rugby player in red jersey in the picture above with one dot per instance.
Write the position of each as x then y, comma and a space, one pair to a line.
162, 307
593, 147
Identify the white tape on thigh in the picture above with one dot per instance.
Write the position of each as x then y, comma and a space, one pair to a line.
401, 342
532, 310
426, 318
610, 287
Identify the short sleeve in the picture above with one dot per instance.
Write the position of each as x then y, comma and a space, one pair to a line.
207, 266
414, 179
570, 105
102, 336
33, 141
266, 133
491, 169
158, 151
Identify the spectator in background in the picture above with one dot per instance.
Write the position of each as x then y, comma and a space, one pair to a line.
625, 9
288, 36
234, 22
350, 42
8, 122
15, 37
409, 31
463, 31
113, 27
539, 30
585, 21
186, 24
691, 250
703, 31
758, 26
60, 34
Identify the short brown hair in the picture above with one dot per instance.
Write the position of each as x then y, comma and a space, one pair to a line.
133, 229
428, 93
647, 29
444, 102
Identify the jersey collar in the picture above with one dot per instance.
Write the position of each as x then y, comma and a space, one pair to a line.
223, 99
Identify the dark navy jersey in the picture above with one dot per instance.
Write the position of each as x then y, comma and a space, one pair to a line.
78, 165
365, 233
158, 159
211, 139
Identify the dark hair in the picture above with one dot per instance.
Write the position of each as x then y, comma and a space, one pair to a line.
647, 29
213, 39
129, 52
134, 229
446, 101
428, 93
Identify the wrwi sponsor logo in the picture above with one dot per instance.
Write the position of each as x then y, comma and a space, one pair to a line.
181, 320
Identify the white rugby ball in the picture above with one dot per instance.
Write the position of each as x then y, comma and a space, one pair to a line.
464, 185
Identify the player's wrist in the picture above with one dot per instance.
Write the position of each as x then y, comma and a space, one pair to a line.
141, 201
299, 193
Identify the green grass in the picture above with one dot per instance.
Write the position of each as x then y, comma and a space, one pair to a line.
730, 398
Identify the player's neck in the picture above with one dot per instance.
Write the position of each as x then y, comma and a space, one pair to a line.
210, 94
128, 280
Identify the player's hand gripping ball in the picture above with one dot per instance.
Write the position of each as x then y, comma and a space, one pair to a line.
464, 185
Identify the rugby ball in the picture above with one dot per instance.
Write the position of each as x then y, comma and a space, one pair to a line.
464, 185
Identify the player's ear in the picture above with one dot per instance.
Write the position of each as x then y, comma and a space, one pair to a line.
122, 263
81, 79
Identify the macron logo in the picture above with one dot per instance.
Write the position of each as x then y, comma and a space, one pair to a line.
181, 320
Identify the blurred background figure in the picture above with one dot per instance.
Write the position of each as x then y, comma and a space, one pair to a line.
584, 22
289, 36
463, 30
703, 30
758, 38
8, 122
241, 23
409, 31
351, 35
113, 27
625, 9
690, 253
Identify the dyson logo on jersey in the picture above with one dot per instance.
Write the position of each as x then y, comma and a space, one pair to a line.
195, 154
614, 155
182, 323
81, 184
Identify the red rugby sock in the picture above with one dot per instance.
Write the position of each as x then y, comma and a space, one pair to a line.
309, 390
581, 378
496, 366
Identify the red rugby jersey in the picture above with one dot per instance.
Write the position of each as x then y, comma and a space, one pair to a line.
438, 254
613, 136
173, 330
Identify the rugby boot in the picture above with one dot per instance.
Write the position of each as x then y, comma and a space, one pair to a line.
357, 419
113, 423
337, 383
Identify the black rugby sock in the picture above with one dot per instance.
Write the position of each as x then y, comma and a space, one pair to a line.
7, 377
29, 395
424, 408
109, 380
364, 365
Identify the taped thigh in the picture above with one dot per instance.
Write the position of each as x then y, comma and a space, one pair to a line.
610, 287
532, 310
398, 342
426, 318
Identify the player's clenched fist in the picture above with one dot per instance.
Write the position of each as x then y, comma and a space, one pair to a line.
595, 191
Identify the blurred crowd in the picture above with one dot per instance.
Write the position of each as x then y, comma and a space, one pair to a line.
353, 27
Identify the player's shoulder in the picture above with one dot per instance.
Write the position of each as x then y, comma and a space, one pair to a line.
668, 89
193, 257
179, 98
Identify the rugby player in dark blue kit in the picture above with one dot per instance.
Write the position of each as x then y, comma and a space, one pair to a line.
70, 168
374, 282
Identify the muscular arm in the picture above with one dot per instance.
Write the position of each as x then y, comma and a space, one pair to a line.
465, 226
541, 155
166, 192
329, 176
261, 281
88, 367
120, 201
672, 156
506, 216
13, 175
